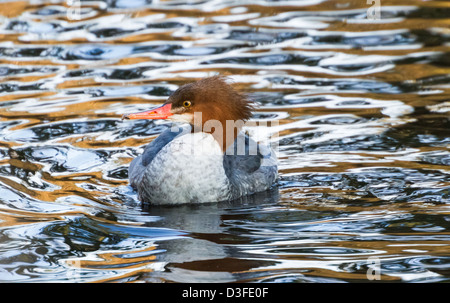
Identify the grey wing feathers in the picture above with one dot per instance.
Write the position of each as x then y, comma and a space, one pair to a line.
250, 169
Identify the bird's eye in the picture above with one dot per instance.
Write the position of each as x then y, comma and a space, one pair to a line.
186, 103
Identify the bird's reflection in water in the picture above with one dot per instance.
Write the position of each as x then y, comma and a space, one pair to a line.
208, 235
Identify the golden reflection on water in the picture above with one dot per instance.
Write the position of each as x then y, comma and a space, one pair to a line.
126, 269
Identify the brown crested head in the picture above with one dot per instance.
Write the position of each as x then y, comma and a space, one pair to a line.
209, 105
214, 98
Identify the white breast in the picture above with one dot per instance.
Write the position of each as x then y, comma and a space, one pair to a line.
188, 169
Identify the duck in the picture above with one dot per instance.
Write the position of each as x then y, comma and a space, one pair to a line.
205, 156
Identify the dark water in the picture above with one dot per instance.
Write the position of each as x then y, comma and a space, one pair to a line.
364, 130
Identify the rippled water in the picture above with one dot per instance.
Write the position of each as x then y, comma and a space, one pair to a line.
364, 130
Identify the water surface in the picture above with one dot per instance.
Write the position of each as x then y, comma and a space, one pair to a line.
362, 108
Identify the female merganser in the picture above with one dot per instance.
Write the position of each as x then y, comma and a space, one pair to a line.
207, 160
